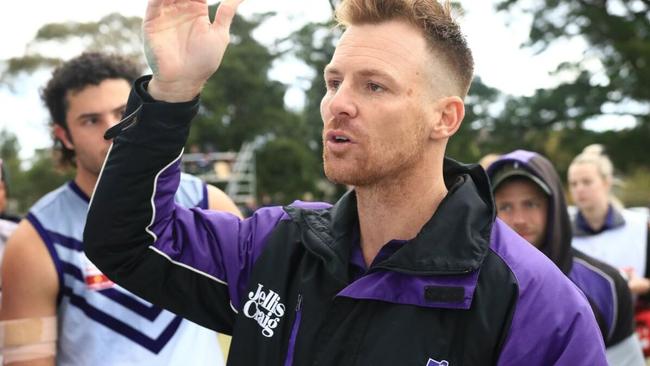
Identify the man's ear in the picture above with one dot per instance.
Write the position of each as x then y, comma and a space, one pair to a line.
452, 112
63, 136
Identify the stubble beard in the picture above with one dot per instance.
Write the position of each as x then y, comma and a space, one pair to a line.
377, 167
91, 164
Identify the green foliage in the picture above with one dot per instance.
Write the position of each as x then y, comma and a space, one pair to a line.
28, 185
40, 178
635, 187
472, 139
285, 170
314, 45
552, 121
240, 102
113, 33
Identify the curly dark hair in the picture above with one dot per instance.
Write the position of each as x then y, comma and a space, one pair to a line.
90, 68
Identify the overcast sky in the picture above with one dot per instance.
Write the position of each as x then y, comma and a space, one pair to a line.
499, 60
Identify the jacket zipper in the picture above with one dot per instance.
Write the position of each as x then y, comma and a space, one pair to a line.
294, 333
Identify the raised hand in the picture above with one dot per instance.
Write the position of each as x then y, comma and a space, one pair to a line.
182, 47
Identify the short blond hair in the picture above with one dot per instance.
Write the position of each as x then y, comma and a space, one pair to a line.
433, 18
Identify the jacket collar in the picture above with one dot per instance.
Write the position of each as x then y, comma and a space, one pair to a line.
454, 241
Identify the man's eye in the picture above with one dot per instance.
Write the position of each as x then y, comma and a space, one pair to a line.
333, 84
532, 205
375, 87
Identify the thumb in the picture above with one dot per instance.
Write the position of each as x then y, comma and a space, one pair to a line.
226, 12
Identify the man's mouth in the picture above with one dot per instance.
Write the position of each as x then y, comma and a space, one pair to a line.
338, 137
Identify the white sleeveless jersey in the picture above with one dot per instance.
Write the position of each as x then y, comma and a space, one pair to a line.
101, 323
623, 246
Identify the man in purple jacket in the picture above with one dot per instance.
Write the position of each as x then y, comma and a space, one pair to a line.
410, 268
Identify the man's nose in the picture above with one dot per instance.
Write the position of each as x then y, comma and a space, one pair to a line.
342, 103
518, 217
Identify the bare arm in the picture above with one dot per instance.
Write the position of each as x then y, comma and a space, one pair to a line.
30, 284
219, 201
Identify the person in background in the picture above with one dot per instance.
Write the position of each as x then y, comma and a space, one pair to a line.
58, 308
529, 197
488, 159
4, 195
605, 230
8, 223
408, 268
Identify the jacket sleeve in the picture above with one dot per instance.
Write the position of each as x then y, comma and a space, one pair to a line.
540, 336
193, 262
552, 322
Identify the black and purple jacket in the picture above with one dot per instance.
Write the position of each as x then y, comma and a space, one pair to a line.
466, 291
603, 285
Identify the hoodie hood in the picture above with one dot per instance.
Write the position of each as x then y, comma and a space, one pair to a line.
557, 244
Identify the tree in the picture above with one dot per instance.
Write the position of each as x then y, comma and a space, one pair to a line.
314, 44
618, 38
240, 102
473, 139
292, 178
26, 185
113, 33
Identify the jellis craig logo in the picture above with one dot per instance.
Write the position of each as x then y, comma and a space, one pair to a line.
265, 308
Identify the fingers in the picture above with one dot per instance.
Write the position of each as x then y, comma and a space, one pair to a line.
226, 13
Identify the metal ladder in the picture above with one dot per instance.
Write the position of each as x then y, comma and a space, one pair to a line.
242, 184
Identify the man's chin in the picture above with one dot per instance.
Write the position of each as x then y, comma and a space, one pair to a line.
354, 178
340, 176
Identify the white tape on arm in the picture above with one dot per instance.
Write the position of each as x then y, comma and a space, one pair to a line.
28, 339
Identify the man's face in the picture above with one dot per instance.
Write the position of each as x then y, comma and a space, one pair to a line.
524, 207
378, 104
91, 111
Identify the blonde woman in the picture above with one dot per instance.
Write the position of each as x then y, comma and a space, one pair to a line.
602, 228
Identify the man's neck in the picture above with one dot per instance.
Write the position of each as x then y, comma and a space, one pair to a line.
86, 181
396, 210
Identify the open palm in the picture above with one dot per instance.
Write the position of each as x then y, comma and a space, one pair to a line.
181, 45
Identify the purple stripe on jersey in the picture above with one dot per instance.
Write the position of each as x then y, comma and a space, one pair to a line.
149, 312
552, 323
152, 344
598, 287
72, 270
130, 302
49, 244
399, 288
76, 189
66, 241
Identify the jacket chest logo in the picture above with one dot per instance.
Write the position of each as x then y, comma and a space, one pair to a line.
265, 308
433, 362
